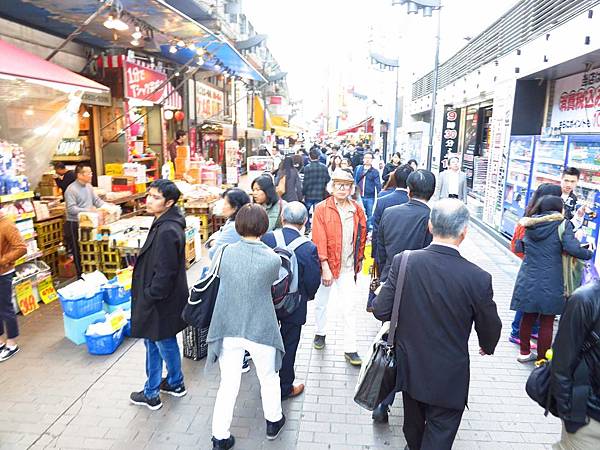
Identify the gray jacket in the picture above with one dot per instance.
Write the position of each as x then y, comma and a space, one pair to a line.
244, 306
441, 188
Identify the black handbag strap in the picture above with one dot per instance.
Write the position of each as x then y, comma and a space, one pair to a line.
398, 297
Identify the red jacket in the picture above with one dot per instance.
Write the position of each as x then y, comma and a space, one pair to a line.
327, 234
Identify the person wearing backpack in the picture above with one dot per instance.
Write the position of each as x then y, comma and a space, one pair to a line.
308, 276
579, 326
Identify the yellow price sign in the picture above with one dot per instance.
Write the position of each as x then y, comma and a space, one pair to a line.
46, 290
124, 277
25, 299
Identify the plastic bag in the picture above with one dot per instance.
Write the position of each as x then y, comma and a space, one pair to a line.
590, 274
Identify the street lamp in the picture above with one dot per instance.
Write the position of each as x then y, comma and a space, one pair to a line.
428, 6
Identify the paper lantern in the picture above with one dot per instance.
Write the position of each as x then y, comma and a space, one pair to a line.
179, 116
168, 114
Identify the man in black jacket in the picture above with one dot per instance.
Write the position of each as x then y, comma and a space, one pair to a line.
443, 295
309, 280
314, 185
159, 293
406, 226
579, 326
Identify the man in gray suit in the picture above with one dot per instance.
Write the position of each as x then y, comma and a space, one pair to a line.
452, 183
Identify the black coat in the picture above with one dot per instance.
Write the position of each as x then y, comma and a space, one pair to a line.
539, 286
439, 307
309, 271
402, 227
293, 185
159, 288
396, 197
580, 318
388, 170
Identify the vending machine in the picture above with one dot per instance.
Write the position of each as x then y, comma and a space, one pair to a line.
549, 161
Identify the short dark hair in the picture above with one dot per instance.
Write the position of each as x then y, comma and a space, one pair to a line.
237, 198
314, 154
574, 171
549, 203
180, 134
265, 183
367, 153
82, 165
59, 165
401, 174
421, 184
167, 188
251, 220
410, 161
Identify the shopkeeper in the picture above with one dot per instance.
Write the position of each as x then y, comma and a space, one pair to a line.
64, 177
179, 140
79, 197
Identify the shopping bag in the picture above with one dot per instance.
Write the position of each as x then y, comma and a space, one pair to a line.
590, 274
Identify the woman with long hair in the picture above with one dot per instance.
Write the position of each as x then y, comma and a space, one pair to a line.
288, 182
390, 167
334, 163
265, 195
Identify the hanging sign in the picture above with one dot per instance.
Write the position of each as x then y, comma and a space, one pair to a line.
209, 102
576, 106
450, 131
46, 290
25, 299
141, 83
231, 161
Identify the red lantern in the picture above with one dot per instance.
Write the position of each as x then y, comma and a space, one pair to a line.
179, 116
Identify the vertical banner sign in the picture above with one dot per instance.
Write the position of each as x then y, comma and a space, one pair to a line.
470, 142
25, 299
46, 290
501, 124
450, 129
231, 161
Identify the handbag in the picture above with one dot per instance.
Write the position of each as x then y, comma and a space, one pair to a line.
203, 295
377, 378
280, 188
375, 281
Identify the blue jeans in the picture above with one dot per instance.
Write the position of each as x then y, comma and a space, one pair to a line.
369, 203
517, 324
166, 350
310, 204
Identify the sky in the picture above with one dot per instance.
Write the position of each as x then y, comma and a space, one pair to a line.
312, 38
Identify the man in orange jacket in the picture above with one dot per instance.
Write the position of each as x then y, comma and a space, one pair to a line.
340, 233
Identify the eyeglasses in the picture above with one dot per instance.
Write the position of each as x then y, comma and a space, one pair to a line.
342, 186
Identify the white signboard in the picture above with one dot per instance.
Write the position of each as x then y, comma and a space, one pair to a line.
231, 161
576, 106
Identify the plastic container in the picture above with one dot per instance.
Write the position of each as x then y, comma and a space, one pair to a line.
112, 308
75, 328
81, 307
104, 345
114, 294
127, 329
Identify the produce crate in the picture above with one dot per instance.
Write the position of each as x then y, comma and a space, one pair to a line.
190, 253
89, 256
104, 345
218, 222
49, 233
81, 307
50, 257
194, 343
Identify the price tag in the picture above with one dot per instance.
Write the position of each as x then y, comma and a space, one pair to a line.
124, 277
46, 290
25, 299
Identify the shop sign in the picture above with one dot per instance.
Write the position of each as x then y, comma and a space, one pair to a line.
576, 106
209, 102
97, 99
46, 290
232, 149
141, 83
450, 129
25, 299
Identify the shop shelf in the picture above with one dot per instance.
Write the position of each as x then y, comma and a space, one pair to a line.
70, 158
586, 166
81, 307
15, 197
27, 258
104, 345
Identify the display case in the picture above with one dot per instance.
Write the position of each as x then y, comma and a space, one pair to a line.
518, 176
549, 161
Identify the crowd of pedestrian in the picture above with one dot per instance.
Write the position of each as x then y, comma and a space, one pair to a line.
318, 212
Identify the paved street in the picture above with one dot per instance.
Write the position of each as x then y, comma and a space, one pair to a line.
55, 395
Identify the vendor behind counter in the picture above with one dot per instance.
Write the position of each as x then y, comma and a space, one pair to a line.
64, 177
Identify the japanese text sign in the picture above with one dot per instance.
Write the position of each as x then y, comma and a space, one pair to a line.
576, 105
141, 83
25, 299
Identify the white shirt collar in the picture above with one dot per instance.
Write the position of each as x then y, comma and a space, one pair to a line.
443, 244
402, 189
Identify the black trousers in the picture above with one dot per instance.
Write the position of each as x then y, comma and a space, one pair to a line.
7, 310
428, 427
290, 333
72, 234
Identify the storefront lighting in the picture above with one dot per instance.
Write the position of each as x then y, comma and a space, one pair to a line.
168, 114
177, 74
135, 43
172, 49
29, 111
86, 114
200, 51
113, 23
137, 34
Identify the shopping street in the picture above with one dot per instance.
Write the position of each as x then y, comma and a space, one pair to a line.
56, 395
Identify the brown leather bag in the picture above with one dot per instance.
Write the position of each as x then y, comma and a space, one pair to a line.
280, 188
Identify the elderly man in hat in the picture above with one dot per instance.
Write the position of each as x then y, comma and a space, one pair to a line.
340, 234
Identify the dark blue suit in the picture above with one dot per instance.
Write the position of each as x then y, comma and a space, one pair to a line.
309, 280
396, 197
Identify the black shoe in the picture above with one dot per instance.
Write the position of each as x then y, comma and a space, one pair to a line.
8, 353
166, 388
223, 444
274, 428
380, 414
353, 358
139, 398
319, 342
246, 363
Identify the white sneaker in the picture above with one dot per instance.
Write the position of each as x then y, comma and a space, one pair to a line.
8, 353
527, 358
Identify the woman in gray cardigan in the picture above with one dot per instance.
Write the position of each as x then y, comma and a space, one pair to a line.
244, 320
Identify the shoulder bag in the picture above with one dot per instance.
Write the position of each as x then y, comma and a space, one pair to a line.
203, 295
377, 379
572, 267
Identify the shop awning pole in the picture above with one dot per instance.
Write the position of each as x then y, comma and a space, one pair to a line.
105, 5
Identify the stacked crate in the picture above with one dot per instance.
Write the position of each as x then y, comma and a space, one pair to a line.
49, 236
111, 260
203, 213
218, 222
89, 256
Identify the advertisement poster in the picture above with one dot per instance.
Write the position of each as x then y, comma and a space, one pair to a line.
576, 106
209, 102
141, 83
470, 142
450, 131
232, 149
257, 165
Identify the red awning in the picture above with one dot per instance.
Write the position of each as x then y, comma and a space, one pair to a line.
366, 126
21, 64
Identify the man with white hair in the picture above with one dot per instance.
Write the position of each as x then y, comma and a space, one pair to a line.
295, 217
443, 295
452, 183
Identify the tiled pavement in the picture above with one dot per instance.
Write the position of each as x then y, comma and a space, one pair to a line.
55, 395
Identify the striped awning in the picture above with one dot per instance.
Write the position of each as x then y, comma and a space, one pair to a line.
170, 98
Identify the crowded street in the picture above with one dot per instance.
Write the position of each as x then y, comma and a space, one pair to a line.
89, 409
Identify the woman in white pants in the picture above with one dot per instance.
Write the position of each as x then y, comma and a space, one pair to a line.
244, 320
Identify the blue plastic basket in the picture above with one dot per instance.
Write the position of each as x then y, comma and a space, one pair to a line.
127, 329
115, 294
104, 345
81, 307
